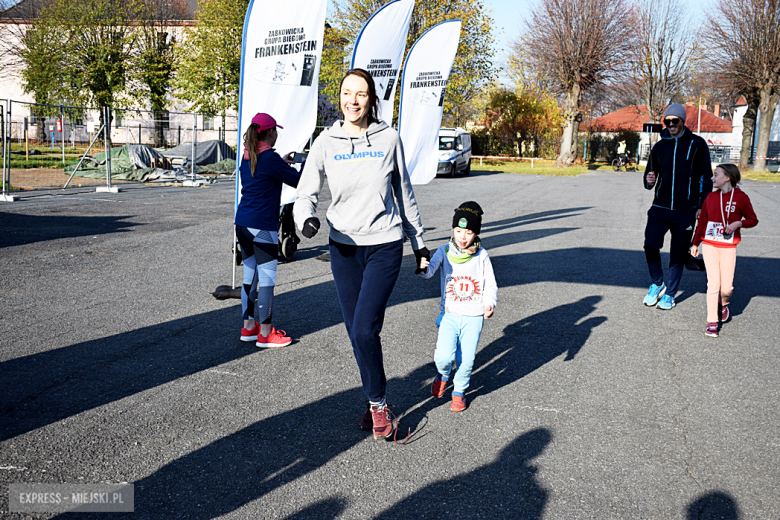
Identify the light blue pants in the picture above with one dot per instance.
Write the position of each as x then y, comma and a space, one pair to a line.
458, 339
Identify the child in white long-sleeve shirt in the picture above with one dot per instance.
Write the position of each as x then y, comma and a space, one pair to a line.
468, 297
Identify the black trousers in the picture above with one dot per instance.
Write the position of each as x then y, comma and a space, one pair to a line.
659, 222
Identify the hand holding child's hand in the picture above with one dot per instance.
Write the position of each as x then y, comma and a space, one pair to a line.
488, 311
420, 255
694, 251
733, 227
424, 263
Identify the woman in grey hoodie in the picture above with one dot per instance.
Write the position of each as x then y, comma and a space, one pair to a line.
372, 211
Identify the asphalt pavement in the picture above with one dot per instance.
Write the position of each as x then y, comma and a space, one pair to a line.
117, 365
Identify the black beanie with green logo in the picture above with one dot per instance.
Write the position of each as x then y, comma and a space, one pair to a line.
468, 216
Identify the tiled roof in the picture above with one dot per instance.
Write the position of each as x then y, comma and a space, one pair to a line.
633, 117
28, 9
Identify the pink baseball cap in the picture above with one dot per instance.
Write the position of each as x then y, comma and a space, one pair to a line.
265, 122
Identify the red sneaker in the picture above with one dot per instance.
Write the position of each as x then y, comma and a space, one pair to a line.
724, 313
458, 403
275, 339
250, 334
383, 426
437, 388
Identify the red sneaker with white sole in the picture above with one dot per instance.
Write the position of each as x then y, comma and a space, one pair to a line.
275, 339
250, 334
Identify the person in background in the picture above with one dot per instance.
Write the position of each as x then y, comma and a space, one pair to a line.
726, 210
263, 172
680, 172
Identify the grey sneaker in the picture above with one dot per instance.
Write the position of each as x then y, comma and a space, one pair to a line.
654, 294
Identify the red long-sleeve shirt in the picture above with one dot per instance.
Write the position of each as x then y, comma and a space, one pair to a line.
711, 221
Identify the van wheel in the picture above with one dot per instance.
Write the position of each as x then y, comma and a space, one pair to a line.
452, 171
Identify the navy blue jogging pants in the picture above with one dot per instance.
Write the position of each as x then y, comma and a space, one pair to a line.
365, 277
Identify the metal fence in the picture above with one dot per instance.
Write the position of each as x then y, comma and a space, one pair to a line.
40, 140
592, 150
718, 153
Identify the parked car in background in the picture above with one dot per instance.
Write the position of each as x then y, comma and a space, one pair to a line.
454, 152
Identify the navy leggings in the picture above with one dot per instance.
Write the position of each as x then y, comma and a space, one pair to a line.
365, 277
659, 222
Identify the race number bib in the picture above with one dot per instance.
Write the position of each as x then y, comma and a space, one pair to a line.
714, 233
463, 289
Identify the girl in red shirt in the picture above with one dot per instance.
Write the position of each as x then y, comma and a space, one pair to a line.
724, 212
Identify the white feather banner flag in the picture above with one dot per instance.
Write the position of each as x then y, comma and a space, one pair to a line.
281, 51
379, 49
426, 74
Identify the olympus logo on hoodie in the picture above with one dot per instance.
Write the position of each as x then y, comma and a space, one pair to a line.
360, 156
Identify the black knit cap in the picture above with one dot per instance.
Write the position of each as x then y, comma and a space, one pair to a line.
468, 216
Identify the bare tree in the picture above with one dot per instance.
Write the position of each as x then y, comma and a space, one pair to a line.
666, 45
579, 44
743, 40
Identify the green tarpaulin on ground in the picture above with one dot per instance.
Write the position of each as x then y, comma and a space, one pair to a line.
123, 167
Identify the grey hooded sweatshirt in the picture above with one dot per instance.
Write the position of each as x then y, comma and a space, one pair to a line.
372, 197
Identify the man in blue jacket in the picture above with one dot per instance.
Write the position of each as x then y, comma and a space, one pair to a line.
680, 170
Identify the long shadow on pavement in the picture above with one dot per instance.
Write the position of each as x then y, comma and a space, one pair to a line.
533, 218
251, 463
20, 229
94, 373
506, 488
525, 346
626, 268
91, 374
47, 387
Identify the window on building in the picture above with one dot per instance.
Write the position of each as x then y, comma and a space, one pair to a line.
119, 119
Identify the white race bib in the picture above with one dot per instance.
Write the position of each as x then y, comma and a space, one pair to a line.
714, 233
463, 289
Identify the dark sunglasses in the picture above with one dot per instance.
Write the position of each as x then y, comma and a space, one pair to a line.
672, 121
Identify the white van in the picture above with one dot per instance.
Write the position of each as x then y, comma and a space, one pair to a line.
454, 152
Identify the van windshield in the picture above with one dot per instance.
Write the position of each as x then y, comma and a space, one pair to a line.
446, 143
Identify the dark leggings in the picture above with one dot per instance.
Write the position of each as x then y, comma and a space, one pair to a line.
659, 222
259, 250
365, 277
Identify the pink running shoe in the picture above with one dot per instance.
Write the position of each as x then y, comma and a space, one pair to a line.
712, 330
275, 339
250, 334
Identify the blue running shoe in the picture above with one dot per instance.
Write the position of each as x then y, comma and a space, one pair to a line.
666, 303
654, 294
